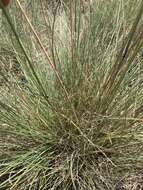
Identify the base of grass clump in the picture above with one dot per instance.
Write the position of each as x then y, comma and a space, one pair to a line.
77, 123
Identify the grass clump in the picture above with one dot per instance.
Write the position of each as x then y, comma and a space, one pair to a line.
76, 122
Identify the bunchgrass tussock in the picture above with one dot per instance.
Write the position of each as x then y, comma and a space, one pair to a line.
71, 117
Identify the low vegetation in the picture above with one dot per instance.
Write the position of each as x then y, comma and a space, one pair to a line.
71, 95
